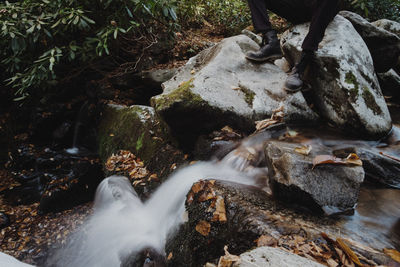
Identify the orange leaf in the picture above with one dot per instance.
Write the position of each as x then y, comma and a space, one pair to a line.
203, 228
341, 243
394, 254
352, 159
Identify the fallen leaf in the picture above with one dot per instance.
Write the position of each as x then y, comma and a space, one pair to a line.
332, 263
220, 212
228, 260
352, 159
266, 240
343, 246
304, 150
170, 256
203, 228
394, 254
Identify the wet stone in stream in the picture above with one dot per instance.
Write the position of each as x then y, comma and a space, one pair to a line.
58, 180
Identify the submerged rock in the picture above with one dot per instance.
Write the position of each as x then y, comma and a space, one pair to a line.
220, 87
344, 85
329, 188
272, 257
383, 45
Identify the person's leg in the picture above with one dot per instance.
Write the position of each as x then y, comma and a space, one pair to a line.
293, 10
323, 13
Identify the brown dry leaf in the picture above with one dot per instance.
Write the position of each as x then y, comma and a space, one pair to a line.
265, 123
342, 245
197, 187
332, 263
394, 254
209, 194
170, 256
228, 260
220, 212
352, 159
203, 227
266, 240
304, 150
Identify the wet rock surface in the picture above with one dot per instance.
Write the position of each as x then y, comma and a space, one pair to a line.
383, 45
379, 166
55, 178
328, 188
345, 88
242, 217
220, 87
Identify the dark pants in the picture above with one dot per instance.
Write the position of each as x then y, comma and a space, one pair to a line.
319, 12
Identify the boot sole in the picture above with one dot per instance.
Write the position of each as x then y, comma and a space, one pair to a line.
265, 59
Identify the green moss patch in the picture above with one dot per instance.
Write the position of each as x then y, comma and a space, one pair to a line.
370, 101
351, 79
248, 95
182, 94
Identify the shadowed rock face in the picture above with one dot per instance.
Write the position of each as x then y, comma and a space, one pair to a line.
148, 257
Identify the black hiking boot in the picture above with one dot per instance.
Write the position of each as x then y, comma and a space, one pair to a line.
269, 51
294, 81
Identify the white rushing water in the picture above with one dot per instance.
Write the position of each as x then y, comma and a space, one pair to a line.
121, 224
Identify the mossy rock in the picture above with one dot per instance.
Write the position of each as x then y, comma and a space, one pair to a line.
136, 128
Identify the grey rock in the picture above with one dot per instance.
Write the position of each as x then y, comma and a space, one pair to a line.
220, 87
256, 38
378, 167
388, 25
383, 45
390, 83
250, 213
329, 188
272, 257
344, 85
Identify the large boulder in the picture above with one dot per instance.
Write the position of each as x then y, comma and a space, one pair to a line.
135, 128
294, 179
140, 130
344, 84
220, 87
241, 217
383, 45
272, 257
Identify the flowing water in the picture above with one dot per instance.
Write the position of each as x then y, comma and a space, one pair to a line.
121, 224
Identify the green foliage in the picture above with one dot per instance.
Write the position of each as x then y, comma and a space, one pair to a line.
39, 36
228, 16
377, 9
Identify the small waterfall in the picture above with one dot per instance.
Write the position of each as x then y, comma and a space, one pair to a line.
121, 224
79, 122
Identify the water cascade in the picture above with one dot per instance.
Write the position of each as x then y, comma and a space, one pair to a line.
122, 225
